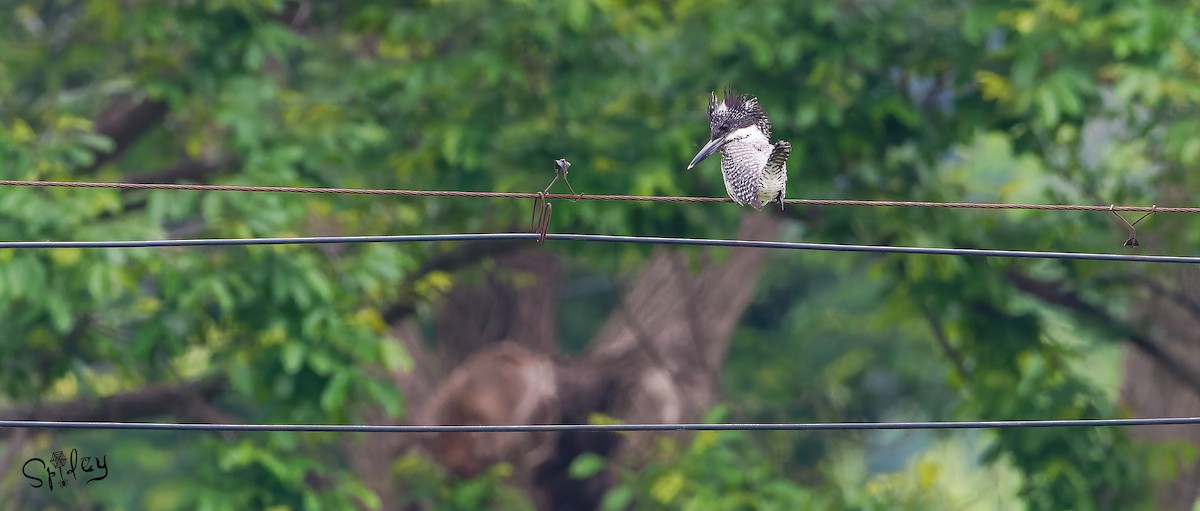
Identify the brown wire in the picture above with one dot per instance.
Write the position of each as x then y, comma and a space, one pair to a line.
548, 196
540, 218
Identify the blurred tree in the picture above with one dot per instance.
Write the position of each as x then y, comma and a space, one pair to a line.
1023, 101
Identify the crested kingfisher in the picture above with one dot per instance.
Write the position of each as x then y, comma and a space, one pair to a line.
755, 170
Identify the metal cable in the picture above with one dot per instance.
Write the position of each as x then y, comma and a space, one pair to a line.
598, 428
645, 198
786, 245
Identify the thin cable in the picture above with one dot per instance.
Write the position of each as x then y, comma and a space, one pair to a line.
315, 240
601, 197
599, 428
786, 245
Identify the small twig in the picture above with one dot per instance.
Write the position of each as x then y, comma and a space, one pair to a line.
939, 335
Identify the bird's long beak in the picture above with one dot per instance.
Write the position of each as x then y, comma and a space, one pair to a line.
711, 147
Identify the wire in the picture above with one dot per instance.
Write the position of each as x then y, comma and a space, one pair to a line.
788, 245
645, 198
599, 428
315, 240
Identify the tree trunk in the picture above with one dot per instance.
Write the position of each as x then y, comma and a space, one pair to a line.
656, 359
1171, 316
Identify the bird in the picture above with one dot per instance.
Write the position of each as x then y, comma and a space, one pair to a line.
754, 169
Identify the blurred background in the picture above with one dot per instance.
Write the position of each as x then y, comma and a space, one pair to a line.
1041, 101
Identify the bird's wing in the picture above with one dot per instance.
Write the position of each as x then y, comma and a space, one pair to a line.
779, 156
774, 178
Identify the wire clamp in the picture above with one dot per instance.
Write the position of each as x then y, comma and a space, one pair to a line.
1132, 241
561, 166
539, 219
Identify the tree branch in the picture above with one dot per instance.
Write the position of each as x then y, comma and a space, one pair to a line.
939, 335
197, 171
125, 120
1176, 295
149, 401
1056, 294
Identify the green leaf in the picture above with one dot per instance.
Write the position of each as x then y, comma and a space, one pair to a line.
617, 498
394, 357
334, 396
386, 395
242, 377
60, 312
292, 356
95, 142
586, 465
320, 361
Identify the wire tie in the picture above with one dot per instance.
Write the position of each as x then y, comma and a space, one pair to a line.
545, 223
1132, 241
561, 165
539, 202
539, 218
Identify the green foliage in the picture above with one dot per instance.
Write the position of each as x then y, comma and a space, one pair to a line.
427, 484
586, 465
716, 471
1030, 101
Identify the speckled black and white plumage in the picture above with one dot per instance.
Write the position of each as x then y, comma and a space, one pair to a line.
754, 169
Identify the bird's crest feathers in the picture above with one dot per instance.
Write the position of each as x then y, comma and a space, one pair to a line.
736, 111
